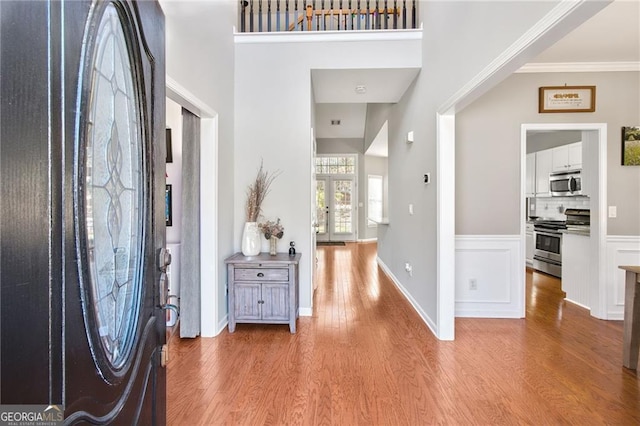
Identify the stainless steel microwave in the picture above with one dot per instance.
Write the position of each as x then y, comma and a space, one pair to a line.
565, 184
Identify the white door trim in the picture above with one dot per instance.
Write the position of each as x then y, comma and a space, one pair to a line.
598, 283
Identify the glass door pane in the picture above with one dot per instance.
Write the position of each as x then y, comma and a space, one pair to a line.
321, 207
342, 206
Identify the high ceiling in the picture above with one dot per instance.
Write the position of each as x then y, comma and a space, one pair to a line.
611, 36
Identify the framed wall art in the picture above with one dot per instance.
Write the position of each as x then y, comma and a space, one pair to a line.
567, 99
631, 146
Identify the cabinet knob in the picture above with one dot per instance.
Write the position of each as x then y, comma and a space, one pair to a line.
260, 274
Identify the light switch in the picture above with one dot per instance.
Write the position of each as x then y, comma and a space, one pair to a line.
411, 209
613, 211
410, 137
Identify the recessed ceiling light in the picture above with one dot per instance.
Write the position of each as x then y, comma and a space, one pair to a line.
361, 89
335, 122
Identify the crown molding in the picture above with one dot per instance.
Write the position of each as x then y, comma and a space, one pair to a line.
580, 67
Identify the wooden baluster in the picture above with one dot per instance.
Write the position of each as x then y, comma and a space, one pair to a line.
277, 15
339, 15
309, 17
260, 16
269, 15
404, 14
358, 14
414, 20
295, 14
395, 14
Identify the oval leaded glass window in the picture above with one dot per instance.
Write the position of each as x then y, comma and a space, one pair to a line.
113, 193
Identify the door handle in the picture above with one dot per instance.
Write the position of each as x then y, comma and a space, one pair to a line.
164, 259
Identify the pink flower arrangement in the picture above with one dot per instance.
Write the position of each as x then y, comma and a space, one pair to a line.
272, 229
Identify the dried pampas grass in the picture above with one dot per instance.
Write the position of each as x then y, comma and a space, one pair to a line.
256, 193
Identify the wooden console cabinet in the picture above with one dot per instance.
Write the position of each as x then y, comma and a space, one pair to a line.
263, 289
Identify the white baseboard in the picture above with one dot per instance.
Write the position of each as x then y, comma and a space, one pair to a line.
621, 250
427, 320
222, 324
305, 312
368, 240
496, 264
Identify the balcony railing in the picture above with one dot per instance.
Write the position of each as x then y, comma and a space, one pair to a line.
326, 15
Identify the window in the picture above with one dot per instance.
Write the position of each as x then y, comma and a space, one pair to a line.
374, 200
331, 165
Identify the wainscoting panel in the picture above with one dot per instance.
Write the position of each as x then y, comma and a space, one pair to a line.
489, 276
621, 250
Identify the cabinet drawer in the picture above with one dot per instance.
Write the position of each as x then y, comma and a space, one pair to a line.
255, 274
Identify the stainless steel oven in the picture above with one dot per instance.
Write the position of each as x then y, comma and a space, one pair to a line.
547, 254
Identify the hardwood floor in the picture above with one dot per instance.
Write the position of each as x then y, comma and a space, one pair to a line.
365, 357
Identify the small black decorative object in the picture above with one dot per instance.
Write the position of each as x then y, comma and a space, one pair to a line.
292, 248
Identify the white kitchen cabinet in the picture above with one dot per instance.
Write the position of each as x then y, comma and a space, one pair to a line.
567, 157
543, 168
529, 243
530, 182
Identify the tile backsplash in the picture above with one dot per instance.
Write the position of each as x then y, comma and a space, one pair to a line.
554, 207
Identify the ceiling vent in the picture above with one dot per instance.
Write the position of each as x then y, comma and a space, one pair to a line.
335, 122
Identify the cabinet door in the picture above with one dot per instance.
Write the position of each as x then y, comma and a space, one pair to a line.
246, 303
530, 183
543, 168
560, 158
575, 156
275, 298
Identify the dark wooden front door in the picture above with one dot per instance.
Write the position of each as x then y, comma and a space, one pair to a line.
82, 208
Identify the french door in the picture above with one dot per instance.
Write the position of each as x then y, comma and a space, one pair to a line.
335, 208
82, 209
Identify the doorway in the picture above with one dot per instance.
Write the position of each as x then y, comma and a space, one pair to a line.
336, 194
594, 160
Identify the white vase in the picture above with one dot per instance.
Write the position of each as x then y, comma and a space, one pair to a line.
250, 239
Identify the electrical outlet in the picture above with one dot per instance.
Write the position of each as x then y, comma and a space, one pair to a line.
473, 284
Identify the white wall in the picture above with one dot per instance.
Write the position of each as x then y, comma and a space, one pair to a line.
272, 106
453, 55
488, 133
200, 58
